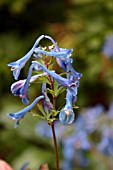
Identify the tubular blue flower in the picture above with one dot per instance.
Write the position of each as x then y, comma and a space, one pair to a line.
63, 81
16, 87
73, 89
66, 65
20, 114
60, 62
67, 115
47, 104
24, 89
74, 73
64, 54
19, 64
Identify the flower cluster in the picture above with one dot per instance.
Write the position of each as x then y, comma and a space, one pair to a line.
52, 82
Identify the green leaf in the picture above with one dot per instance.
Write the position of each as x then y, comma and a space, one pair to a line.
54, 112
41, 110
60, 90
51, 92
44, 79
34, 113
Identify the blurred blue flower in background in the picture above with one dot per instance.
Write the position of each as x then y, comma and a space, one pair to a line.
107, 49
106, 143
88, 118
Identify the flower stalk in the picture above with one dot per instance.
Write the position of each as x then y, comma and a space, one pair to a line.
55, 145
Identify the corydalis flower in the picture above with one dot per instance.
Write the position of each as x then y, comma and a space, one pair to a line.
63, 81
20, 114
71, 82
64, 54
19, 64
70, 69
24, 89
60, 62
67, 114
17, 86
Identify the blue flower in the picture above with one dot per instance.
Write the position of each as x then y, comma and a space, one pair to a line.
19, 64
67, 114
108, 47
66, 65
106, 145
24, 89
24, 165
70, 68
64, 54
15, 87
71, 84
60, 62
47, 103
20, 114
20, 88
63, 81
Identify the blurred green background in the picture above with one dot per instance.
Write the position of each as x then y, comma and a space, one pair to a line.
79, 24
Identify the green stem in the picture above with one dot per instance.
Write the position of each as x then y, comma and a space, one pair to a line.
55, 146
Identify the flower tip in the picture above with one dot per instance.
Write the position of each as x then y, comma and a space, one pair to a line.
10, 64
47, 36
16, 124
71, 50
25, 101
11, 115
80, 75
